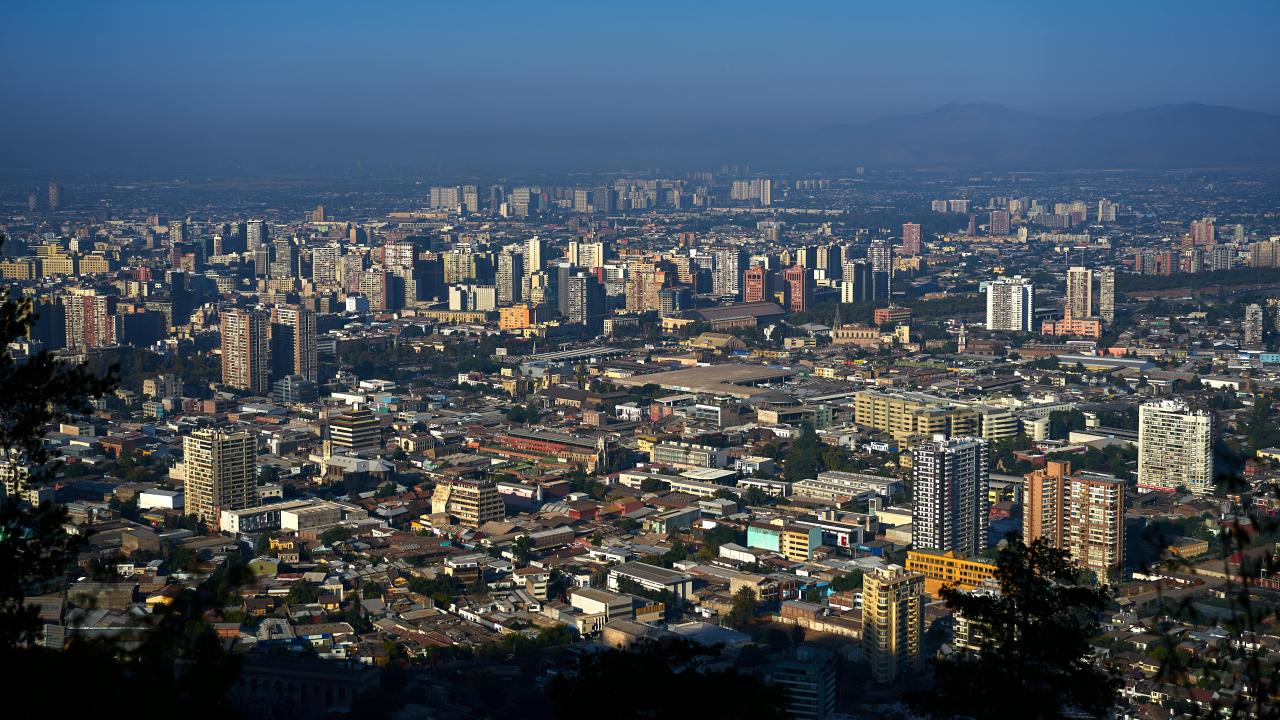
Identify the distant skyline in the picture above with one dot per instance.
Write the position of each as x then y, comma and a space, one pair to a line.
179, 86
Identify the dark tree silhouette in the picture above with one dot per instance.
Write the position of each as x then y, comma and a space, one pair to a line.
36, 391
661, 680
176, 660
1034, 658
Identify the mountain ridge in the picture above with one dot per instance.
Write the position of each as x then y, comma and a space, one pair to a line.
1172, 135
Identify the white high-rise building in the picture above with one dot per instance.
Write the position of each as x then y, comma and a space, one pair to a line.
950, 500
1175, 447
1011, 304
726, 281
589, 255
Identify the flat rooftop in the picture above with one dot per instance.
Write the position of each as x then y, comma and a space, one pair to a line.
728, 379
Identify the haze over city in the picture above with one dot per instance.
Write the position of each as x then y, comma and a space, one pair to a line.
242, 88
713, 361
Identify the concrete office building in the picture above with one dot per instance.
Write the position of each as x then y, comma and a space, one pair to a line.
472, 502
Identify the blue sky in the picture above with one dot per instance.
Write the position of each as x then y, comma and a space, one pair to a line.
294, 72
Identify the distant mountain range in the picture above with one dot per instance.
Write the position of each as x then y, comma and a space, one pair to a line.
970, 136
980, 134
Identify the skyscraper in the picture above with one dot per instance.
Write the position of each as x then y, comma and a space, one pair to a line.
1079, 300
293, 343
1107, 294
590, 255
1175, 447
354, 431
859, 283
286, 260
1082, 513
880, 255
950, 498
892, 621
586, 302
1095, 528
324, 265
535, 250
445, 198
727, 278
998, 224
910, 239
755, 284
510, 278
220, 471
1252, 327
800, 286
55, 196
473, 502
90, 319
257, 235
246, 351
1203, 231
1011, 304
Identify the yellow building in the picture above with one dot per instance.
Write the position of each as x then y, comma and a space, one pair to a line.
798, 543
908, 414
18, 269
95, 263
472, 502
58, 264
892, 621
949, 569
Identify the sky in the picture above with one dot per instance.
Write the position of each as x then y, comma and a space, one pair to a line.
225, 84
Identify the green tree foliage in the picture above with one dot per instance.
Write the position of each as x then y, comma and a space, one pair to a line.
522, 414
334, 535
756, 497
1063, 422
580, 481
806, 457
303, 592
1131, 282
522, 549
1034, 644
670, 685
743, 611
34, 548
652, 485
442, 589
1261, 431
714, 538
848, 581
